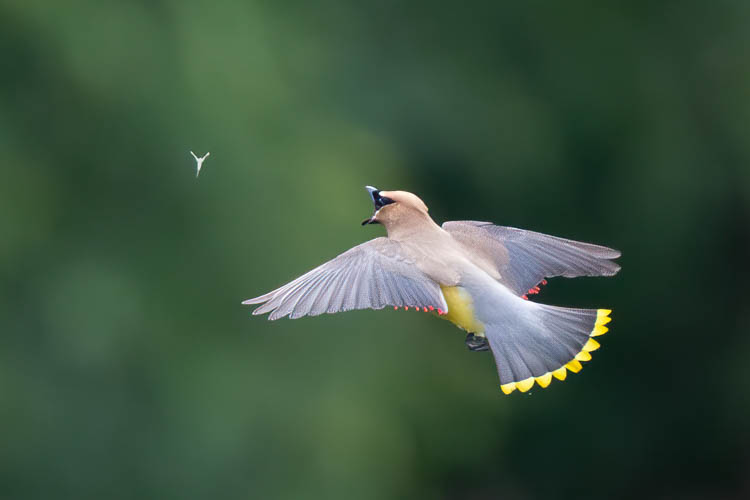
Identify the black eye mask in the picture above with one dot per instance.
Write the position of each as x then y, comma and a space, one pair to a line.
379, 202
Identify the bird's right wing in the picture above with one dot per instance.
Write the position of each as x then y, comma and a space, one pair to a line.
524, 258
372, 275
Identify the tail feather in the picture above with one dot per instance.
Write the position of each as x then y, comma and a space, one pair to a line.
548, 344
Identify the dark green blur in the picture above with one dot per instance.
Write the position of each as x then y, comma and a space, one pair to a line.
128, 367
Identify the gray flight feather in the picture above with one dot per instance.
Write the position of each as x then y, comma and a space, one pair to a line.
372, 275
524, 258
544, 342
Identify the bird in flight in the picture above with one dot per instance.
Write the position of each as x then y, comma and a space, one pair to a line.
475, 274
199, 162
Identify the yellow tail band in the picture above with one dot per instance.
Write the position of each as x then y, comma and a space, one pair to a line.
574, 365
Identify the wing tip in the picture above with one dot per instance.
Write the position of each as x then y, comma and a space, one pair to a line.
257, 300
614, 269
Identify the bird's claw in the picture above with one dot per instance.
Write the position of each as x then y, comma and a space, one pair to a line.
477, 343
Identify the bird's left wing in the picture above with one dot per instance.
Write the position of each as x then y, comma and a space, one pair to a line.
524, 258
372, 275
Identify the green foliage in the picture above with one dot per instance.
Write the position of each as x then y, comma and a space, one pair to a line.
128, 367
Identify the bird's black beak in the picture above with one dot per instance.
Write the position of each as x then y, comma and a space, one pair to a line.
377, 200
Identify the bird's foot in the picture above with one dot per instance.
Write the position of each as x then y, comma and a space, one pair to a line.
477, 343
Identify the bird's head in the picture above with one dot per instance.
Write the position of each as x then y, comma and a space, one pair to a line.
394, 208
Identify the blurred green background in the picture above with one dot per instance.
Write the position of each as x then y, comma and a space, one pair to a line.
128, 367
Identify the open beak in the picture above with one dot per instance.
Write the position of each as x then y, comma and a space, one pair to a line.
375, 195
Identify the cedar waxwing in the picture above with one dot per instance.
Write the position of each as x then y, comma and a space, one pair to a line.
474, 274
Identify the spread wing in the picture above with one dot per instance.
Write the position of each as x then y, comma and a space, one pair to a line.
524, 258
372, 275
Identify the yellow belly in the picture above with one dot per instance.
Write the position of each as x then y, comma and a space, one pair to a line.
461, 309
